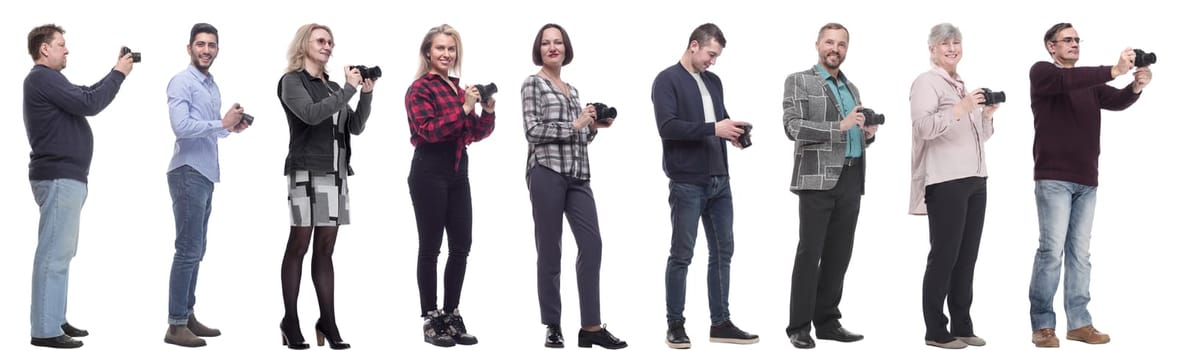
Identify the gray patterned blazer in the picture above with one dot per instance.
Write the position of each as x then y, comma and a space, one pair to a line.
811, 117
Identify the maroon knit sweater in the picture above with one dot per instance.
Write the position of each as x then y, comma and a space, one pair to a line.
1066, 106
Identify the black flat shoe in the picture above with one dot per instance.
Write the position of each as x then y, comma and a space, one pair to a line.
839, 334
601, 338
72, 331
59, 342
553, 337
802, 340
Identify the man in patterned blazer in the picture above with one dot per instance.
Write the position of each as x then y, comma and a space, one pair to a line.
823, 116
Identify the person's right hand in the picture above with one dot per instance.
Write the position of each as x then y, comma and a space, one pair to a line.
1125, 63
968, 104
852, 119
587, 116
352, 77
124, 64
729, 129
472, 97
232, 117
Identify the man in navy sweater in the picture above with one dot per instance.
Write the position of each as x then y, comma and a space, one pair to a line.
692, 120
1066, 104
62, 144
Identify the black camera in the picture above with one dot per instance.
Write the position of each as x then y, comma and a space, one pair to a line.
373, 72
248, 119
744, 138
485, 91
1143, 58
871, 117
135, 57
993, 97
604, 112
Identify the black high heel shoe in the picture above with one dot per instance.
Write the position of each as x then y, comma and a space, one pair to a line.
293, 339
334, 341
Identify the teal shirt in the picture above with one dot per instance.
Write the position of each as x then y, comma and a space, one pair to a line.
846, 103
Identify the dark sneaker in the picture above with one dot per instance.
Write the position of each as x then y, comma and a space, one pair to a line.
727, 332
677, 338
457, 330
434, 330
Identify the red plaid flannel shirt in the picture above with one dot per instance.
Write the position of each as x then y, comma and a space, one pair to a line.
435, 114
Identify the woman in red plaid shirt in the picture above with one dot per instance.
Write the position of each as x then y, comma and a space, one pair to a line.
442, 122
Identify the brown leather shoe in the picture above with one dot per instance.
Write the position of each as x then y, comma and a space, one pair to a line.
1045, 338
1089, 335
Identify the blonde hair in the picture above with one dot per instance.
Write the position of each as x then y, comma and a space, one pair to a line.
297, 52
424, 51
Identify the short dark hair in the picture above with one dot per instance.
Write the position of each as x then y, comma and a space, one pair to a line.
202, 28
834, 26
42, 35
705, 32
1050, 35
564, 37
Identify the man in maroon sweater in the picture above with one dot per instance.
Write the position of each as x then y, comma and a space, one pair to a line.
1066, 104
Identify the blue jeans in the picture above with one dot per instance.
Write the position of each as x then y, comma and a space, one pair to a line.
1066, 218
57, 242
689, 204
192, 201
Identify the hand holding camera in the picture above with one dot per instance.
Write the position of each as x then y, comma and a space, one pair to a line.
234, 117
368, 76
744, 140
126, 60
1143, 58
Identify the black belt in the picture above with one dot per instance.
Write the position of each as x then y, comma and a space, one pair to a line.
850, 161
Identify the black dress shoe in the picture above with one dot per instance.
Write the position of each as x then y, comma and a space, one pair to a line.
677, 338
72, 331
839, 334
602, 338
60, 342
553, 337
802, 340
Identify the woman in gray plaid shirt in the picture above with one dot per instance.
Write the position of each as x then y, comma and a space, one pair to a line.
559, 130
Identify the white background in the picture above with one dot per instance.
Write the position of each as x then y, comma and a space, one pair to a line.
120, 275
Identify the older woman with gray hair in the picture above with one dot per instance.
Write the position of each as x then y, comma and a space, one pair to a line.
949, 185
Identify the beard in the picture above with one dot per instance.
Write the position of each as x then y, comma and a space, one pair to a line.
827, 58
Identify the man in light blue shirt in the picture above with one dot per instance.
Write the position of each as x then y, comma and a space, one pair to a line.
194, 102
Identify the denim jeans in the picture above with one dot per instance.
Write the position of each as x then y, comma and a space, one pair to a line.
192, 201
689, 204
61, 203
1066, 217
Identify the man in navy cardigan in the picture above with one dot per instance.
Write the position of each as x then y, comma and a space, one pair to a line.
62, 145
690, 113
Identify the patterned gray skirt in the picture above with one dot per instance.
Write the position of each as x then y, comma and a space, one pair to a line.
318, 200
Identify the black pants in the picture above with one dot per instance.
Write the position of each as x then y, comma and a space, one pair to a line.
826, 231
441, 198
554, 194
956, 211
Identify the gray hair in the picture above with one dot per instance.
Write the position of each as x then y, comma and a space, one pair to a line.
940, 33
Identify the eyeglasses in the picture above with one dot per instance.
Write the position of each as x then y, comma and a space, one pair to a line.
1068, 40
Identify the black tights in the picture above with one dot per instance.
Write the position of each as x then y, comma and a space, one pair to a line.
323, 275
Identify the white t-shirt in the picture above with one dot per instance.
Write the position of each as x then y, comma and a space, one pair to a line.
709, 111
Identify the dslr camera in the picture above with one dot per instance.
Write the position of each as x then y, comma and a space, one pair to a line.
871, 117
373, 72
993, 97
135, 57
248, 119
485, 91
744, 138
604, 112
1141, 58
